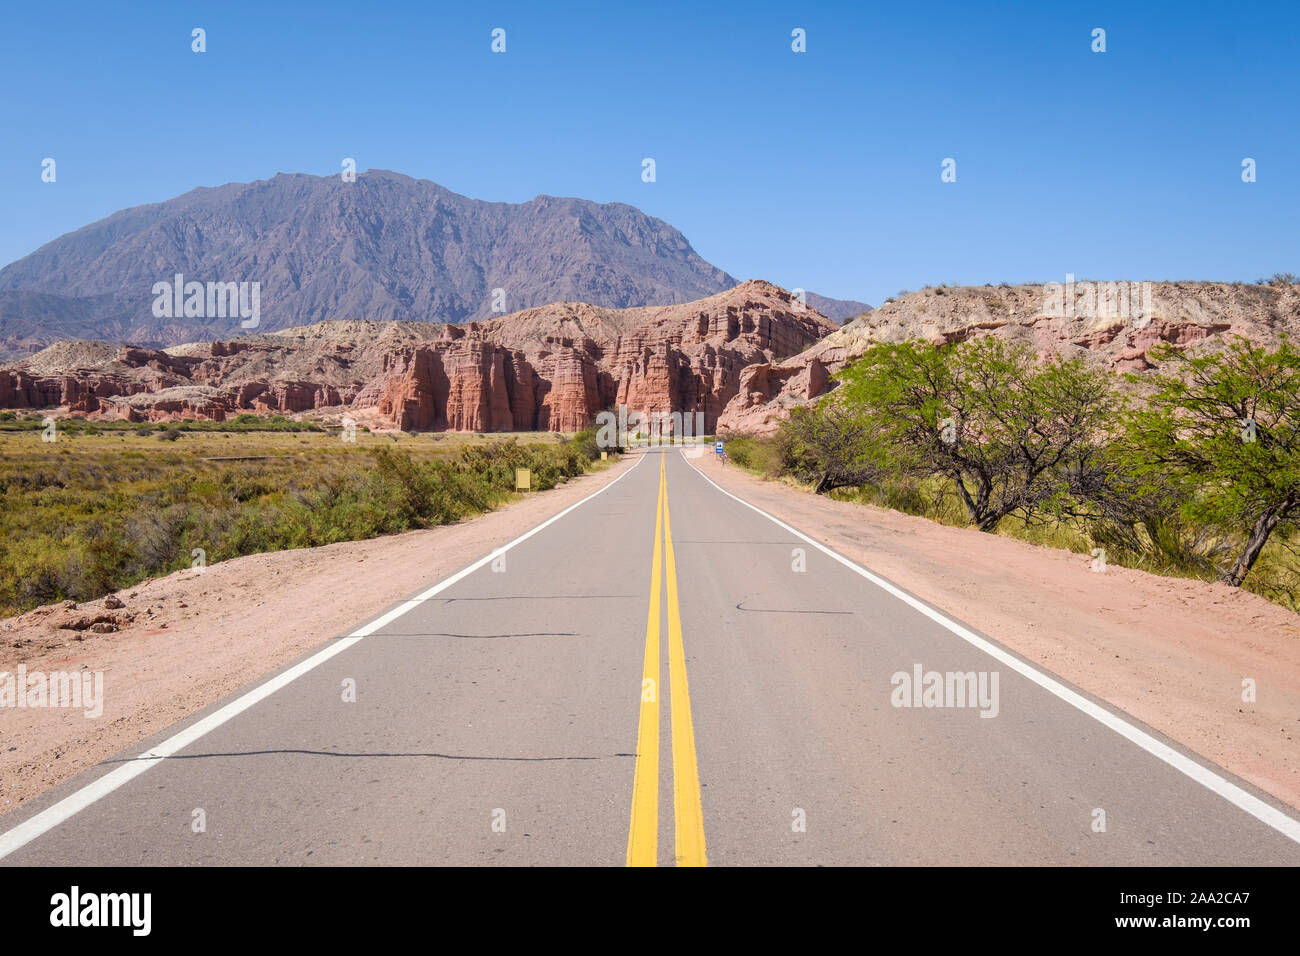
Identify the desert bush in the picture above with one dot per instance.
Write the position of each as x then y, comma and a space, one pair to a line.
1280, 279
80, 520
1198, 475
585, 443
831, 446
760, 455
1013, 436
740, 450
1223, 430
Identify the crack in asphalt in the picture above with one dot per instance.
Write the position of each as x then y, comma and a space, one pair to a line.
541, 597
479, 636
689, 541
335, 753
784, 610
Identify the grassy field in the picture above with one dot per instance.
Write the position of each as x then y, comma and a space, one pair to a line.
102, 507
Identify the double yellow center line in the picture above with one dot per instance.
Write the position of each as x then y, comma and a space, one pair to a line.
688, 813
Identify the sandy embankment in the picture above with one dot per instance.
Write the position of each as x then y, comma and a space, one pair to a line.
197, 636
1171, 652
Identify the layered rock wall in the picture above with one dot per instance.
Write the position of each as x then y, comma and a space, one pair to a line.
548, 369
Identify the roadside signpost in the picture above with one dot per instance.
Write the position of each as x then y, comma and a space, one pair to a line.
523, 479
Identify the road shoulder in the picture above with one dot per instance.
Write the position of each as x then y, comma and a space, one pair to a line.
1171, 652
197, 636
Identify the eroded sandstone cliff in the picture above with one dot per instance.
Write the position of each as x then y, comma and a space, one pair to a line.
1114, 331
551, 368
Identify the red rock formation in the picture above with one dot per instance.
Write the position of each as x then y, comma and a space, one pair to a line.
524, 385
572, 396
1181, 314
742, 358
552, 368
555, 368
768, 392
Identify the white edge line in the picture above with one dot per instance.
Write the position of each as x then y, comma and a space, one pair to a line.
1257, 808
74, 803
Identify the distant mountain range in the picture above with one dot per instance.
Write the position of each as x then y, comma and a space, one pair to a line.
385, 247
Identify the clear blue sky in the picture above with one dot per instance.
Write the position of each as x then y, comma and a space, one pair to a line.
818, 170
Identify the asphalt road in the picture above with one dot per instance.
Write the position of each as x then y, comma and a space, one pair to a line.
660, 675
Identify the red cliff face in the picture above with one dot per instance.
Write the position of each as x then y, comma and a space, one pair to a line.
416, 397
459, 385
78, 392
1187, 315
552, 368
474, 385
555, 368
572, 398
477, 398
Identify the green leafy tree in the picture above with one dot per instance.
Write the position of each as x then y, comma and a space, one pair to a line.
1012, 434
832, 446
1226, 426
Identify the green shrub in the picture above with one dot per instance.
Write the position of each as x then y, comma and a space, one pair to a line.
84, 519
